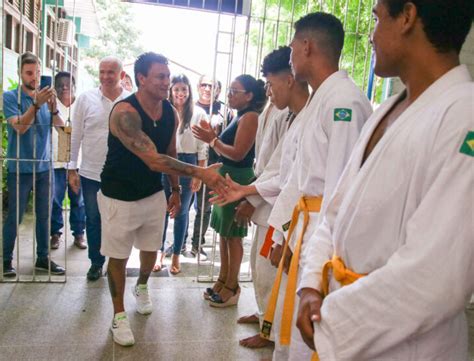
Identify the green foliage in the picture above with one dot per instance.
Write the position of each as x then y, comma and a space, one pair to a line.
119, 36
12, 84
277, 17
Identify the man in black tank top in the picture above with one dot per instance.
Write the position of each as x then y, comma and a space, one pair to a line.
141, 146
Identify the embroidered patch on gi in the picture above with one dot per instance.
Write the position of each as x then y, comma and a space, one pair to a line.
342, 115
286, 226
467, 146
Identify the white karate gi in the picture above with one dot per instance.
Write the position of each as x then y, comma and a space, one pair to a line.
325, 146
272, 126
405, 218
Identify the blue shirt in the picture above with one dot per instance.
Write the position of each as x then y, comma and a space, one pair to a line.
41, 129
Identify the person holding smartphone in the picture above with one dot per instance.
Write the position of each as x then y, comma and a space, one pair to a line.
29, 123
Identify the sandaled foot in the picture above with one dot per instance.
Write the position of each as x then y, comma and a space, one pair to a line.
175, 267
255, 341
159, 262
214, 289
249, 319
225, 298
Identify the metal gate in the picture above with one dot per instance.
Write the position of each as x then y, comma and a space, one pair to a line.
24, 240
246, 31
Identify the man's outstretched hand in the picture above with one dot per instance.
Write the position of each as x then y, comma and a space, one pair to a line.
213, 179
309, 311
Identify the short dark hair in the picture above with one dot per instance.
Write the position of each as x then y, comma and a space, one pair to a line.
277, 61
64, 74
327, 30
257, 88
446, 23
27, 58
145, 61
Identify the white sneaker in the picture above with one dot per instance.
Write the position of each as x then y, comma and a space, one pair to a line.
121, 331
144, 305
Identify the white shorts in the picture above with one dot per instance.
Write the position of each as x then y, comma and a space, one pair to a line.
127, 224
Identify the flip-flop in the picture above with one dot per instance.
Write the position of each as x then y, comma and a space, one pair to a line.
175, 270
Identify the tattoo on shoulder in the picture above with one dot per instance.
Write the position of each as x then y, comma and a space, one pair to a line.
127, 126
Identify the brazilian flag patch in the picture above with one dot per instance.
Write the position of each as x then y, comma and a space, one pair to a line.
286, 226
467, 146
342, 115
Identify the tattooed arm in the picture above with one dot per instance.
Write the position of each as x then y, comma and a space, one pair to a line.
171, 151
126, 125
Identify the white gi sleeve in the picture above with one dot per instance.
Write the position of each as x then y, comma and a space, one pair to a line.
342, 136
428, 280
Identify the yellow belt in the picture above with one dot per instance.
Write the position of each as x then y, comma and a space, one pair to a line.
306, 205
341, 274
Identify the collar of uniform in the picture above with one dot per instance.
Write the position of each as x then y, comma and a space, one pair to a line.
458, 75
330, 80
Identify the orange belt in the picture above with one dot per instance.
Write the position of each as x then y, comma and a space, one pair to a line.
341, 274
305, 205
268, 243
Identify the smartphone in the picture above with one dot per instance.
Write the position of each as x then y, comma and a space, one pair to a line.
45, 81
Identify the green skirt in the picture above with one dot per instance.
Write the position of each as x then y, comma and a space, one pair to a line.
222, 218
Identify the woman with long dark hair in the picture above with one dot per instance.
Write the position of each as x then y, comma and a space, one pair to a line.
236, 147
190, 150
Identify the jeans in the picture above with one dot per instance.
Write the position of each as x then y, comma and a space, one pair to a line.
181, 220
77, 216
197, 220
41, 210
90, 188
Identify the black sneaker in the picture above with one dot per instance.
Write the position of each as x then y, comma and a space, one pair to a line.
190, 254
169, 252
42, 265
8, 269
193, 253
94, 273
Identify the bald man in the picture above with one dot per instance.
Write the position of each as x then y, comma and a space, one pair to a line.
90, 127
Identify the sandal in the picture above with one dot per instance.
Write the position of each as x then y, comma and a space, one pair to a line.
210, 290
174, 270
175, 267
159, 265
217, 301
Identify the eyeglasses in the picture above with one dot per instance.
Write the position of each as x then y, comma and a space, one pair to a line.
204, 85
233, 92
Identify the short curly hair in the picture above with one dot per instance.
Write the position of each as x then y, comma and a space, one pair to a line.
277, 61
446, 23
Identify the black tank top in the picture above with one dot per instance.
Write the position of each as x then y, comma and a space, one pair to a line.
125, 176
228, 137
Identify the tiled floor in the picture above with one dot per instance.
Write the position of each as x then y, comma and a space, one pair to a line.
70, 321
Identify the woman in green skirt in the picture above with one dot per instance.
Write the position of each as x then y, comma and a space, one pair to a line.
236, 147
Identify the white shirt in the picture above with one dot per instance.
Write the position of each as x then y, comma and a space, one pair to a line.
64, 111
405, 219
331, 123
186, 142
90, 129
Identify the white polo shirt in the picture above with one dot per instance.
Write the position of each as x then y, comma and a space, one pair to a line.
90, 129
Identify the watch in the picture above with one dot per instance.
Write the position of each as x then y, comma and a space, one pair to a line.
176, 189
212, 143
56, 112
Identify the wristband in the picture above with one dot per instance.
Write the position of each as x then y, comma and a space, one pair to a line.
55, 113
212, 143
176, 189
